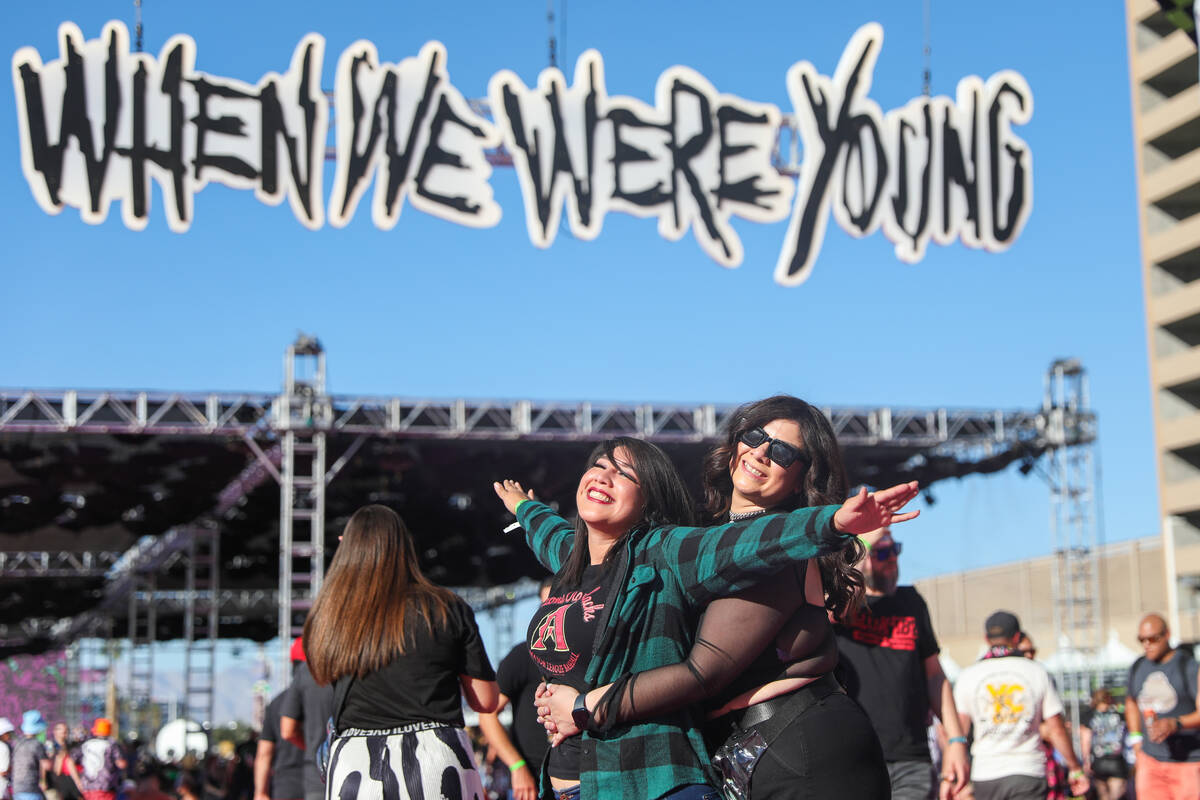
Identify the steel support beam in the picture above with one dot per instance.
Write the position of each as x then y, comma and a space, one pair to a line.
200, 621
303, 413
1075, 581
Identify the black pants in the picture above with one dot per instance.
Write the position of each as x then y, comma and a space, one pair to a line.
830, 752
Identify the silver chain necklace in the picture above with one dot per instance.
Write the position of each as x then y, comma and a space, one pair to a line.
738, 516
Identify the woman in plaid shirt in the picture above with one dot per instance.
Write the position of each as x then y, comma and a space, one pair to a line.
763, 659
649, 580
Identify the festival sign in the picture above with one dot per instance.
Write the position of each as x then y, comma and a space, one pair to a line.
101, 125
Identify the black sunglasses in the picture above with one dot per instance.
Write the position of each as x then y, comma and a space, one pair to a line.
780, 451
885, 551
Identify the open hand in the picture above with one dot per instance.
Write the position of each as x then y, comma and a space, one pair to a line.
511, 493
865, 512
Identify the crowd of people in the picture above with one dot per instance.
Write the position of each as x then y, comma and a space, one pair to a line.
61, 762
759, 648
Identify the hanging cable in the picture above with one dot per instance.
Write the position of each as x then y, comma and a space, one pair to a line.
550, 28
562, 39
927, 74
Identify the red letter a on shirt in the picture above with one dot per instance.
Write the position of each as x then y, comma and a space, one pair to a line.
551, 626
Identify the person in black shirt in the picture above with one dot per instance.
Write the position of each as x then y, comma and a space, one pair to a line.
401, 652
303, 714
523, 752
278, 764
889, 663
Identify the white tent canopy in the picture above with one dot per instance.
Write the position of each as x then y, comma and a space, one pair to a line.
1112, 656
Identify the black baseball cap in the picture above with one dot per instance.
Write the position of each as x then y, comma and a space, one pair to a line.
1002, 625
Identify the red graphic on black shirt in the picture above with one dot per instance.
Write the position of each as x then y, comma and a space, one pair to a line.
550, 635
551, 627
894, 633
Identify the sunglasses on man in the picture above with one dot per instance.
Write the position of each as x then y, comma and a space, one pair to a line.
885, 552
779, 451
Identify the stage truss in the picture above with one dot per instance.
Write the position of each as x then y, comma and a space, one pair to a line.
284, 437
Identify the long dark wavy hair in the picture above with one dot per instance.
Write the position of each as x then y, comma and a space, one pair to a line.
668, 501
824, 483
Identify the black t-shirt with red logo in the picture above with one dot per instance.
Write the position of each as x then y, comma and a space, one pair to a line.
883, 651
562, 636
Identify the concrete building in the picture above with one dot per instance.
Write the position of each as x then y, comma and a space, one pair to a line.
1166, 137
1131, 584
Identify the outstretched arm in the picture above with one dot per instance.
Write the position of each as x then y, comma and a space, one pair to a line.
720, 560
548, 535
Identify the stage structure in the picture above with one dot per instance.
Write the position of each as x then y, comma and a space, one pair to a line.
1074, 525
156, 514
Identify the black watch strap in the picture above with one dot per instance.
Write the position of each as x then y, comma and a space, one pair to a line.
580, 714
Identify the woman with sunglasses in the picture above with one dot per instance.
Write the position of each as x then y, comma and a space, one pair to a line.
763, 658
641, 583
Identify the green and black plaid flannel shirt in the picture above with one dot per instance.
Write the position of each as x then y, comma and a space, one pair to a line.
669, 574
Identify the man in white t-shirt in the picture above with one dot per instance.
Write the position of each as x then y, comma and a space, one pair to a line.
1004, 698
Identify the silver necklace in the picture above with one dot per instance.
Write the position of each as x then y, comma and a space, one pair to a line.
738, 516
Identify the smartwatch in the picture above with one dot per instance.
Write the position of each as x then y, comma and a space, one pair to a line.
579, 713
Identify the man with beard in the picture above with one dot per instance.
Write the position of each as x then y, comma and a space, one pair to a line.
889, 664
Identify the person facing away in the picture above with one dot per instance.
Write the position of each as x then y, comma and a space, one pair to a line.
278, 764
101, 763
1160, 710
1005, 698
522, 747
889, 664
29, 758
303, 714
402, 653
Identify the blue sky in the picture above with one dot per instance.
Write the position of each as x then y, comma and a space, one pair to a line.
435, 309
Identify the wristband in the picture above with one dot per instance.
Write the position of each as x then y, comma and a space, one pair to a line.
516, 765
1075, 774
1134, 737
864, 542
957, 740
520, 503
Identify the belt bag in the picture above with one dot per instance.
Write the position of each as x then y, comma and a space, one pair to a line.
757, 726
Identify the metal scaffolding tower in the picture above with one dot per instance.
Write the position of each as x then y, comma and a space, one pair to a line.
302, 413
141, 634
1075, 584
89, 661
201, 606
